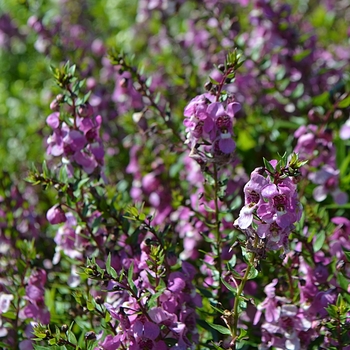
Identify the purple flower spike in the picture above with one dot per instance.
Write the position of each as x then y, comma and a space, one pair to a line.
210, 122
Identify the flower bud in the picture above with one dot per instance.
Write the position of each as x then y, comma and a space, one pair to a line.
85, 110
90, 335
56, 215
99, 300
64, 328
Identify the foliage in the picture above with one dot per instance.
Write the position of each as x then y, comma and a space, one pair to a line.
175, 174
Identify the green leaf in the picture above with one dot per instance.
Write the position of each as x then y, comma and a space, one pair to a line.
86, 97
247, 256
46, 171
108, 263
152, 301
299, 90
10, 315
320, 238
345, 102
52, 341
347, 254
90, 305
108, 317
148, 82
215, 308
216, 347
301, 55
268, 166
343, 281
219, 328
242, 334
236, 274
228, 286
130, 278
213, 81
110, 270
83, 182
253, 273
321, 99
63, 175
72, 338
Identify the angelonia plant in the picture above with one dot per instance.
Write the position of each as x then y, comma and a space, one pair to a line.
187, 185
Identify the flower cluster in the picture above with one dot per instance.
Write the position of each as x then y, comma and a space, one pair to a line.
149, 259
294, 62
209, 124
316, 145
282, 317
143, 317
271, 206
36, 308
299, 320
77, 140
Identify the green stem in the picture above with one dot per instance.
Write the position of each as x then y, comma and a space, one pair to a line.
239, 293
217, 229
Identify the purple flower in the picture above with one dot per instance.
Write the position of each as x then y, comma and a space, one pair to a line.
110, 343
5, 301
328, 180
176, 282
197, 107
252, 194
86, 161
223, 124
344, 132
160, 316
320, 301
76, 140
281, 207
35, 292
340, 237
67, 240
56, 215
209, 122
145, 329
53, 120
